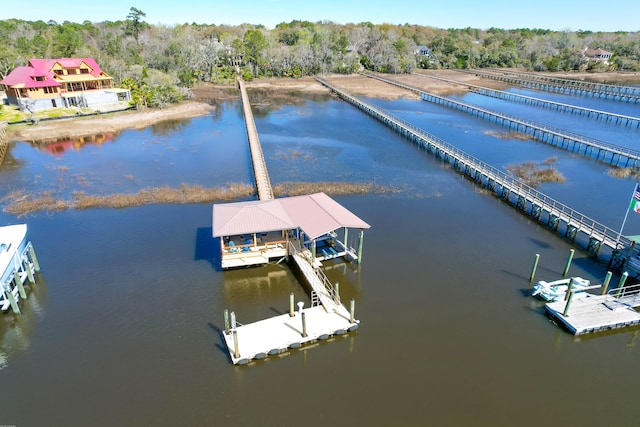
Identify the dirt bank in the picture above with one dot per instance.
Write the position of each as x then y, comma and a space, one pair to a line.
79, 127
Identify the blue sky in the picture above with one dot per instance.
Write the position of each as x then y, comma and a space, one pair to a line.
573, 15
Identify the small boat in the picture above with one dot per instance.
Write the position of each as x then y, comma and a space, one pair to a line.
13, 245
557, 290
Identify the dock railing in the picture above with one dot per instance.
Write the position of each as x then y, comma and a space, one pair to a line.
629, 295
305, 254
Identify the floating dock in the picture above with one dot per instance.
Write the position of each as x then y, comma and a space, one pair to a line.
595, 313
281, 333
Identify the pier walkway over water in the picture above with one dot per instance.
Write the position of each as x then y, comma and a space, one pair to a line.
559, 217
261, 175
575, 87
613, 154
613, 118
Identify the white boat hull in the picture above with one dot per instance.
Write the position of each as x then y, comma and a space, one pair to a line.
557, 290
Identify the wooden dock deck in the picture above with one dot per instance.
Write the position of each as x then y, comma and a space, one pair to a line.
594, 314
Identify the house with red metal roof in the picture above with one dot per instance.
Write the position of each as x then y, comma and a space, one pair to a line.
61, 83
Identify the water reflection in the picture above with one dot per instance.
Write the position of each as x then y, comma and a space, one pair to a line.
60, 147
16, 330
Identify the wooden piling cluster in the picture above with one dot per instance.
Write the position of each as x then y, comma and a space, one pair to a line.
611, 309
24, 272
560, 218
613, 154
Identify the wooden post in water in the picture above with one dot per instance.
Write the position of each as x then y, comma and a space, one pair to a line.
337, 296
569, 289
34, 259
18, 280
352, 310
226, 320
566, 267
360, 246
623, 279
533, 269
304, 324
236, 352
605, 285
291, 305
565, 313
12, 300
27, 267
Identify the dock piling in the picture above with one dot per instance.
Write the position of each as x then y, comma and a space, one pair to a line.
291, 305
623, 279
337, 297
570, 292
304, 324
34, 259
18, 281
566, 267
352, 310
12, 300
605, 284
236, 352
226, 321
27, 267
533, 269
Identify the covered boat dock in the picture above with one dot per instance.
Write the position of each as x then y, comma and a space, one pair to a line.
257, 232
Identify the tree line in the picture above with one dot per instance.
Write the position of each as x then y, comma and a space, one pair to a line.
159, 63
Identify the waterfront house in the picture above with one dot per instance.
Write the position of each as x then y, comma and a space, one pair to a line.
596, 55
61, 83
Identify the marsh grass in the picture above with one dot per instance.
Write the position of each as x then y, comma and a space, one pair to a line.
21, 203
618, 172
534, 174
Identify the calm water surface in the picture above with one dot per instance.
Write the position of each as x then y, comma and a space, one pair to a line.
124, 326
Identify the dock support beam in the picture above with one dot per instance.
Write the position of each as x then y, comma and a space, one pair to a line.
304, 324
226, 320
352, 310
360, 240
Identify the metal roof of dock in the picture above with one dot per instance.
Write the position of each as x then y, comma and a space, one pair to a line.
316, 214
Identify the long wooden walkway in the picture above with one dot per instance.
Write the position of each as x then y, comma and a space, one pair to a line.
276, 335
608, 117
573, 88
586, 85
261, 175
557, 216
610, 153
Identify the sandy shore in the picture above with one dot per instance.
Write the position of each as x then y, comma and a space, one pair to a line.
428, 80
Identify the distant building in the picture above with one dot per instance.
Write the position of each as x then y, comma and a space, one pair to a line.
61, 83
596, 55
423, 51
